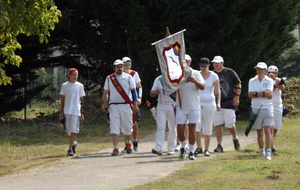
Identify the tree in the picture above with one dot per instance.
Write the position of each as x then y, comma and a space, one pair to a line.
29, 17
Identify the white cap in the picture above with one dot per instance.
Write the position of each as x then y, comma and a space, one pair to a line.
118, 62
217, 59
273, 68
187, 57
261, 65
126, 59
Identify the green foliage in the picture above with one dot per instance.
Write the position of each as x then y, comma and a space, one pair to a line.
34, 17
291, 96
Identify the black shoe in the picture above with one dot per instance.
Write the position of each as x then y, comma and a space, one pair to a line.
70, 152
135, 145
182, 153
274, 152
198, 151
191, 156
236, 144
74, 147
219, 148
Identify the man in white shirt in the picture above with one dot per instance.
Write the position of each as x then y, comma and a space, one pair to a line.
72, 93
119, 104
279, 86
136, 78
188, 109
260, 91
165, 113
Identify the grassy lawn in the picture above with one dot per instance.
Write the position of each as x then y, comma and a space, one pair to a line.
243, 169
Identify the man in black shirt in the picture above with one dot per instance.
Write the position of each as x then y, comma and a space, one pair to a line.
230, 88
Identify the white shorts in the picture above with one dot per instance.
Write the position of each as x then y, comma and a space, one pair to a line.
187, 116
225, 116
72, 124
120, 116
278, 117
264, 118
206, 121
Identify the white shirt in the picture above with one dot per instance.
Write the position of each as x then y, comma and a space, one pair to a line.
136, 77
162, 97
207, 96
72, 93
259, 86
277, 100
127, 83
188, 96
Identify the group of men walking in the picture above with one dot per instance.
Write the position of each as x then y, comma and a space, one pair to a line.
208, 99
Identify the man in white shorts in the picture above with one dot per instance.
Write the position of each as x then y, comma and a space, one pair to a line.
188, 109
136, 78
72, 93
165, 113
260, 91
279, 86
230, 88
119, 104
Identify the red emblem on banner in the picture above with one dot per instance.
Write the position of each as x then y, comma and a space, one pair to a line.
172, 59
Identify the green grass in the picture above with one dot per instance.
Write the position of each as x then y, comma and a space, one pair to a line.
243, 169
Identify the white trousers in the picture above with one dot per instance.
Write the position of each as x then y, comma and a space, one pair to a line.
165, 113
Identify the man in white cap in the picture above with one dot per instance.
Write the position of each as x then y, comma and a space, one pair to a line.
260, 91
230, 88
277, 102
136, 78
120, 104
188, 109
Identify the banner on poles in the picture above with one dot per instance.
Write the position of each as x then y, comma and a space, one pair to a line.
171, 56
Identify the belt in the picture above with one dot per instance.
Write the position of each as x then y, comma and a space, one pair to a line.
117, 103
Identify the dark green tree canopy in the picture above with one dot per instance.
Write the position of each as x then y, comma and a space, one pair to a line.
243, 32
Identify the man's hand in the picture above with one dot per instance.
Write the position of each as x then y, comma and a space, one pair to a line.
236, 102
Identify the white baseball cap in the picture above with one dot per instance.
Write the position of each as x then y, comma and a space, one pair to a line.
126, 59
217, 59
187, 57
261, 65
273, 68
118, 62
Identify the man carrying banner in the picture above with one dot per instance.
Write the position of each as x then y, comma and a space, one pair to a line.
136, 78
118, 95
188, 109
165, 113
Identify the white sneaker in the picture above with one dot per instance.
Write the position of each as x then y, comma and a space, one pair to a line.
268, 156
262, 154
170, 153
186, 147
206, 153
178, 147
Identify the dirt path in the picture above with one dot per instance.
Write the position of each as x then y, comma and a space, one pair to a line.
99, 170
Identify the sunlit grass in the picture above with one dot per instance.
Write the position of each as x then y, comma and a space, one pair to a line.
243, 169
